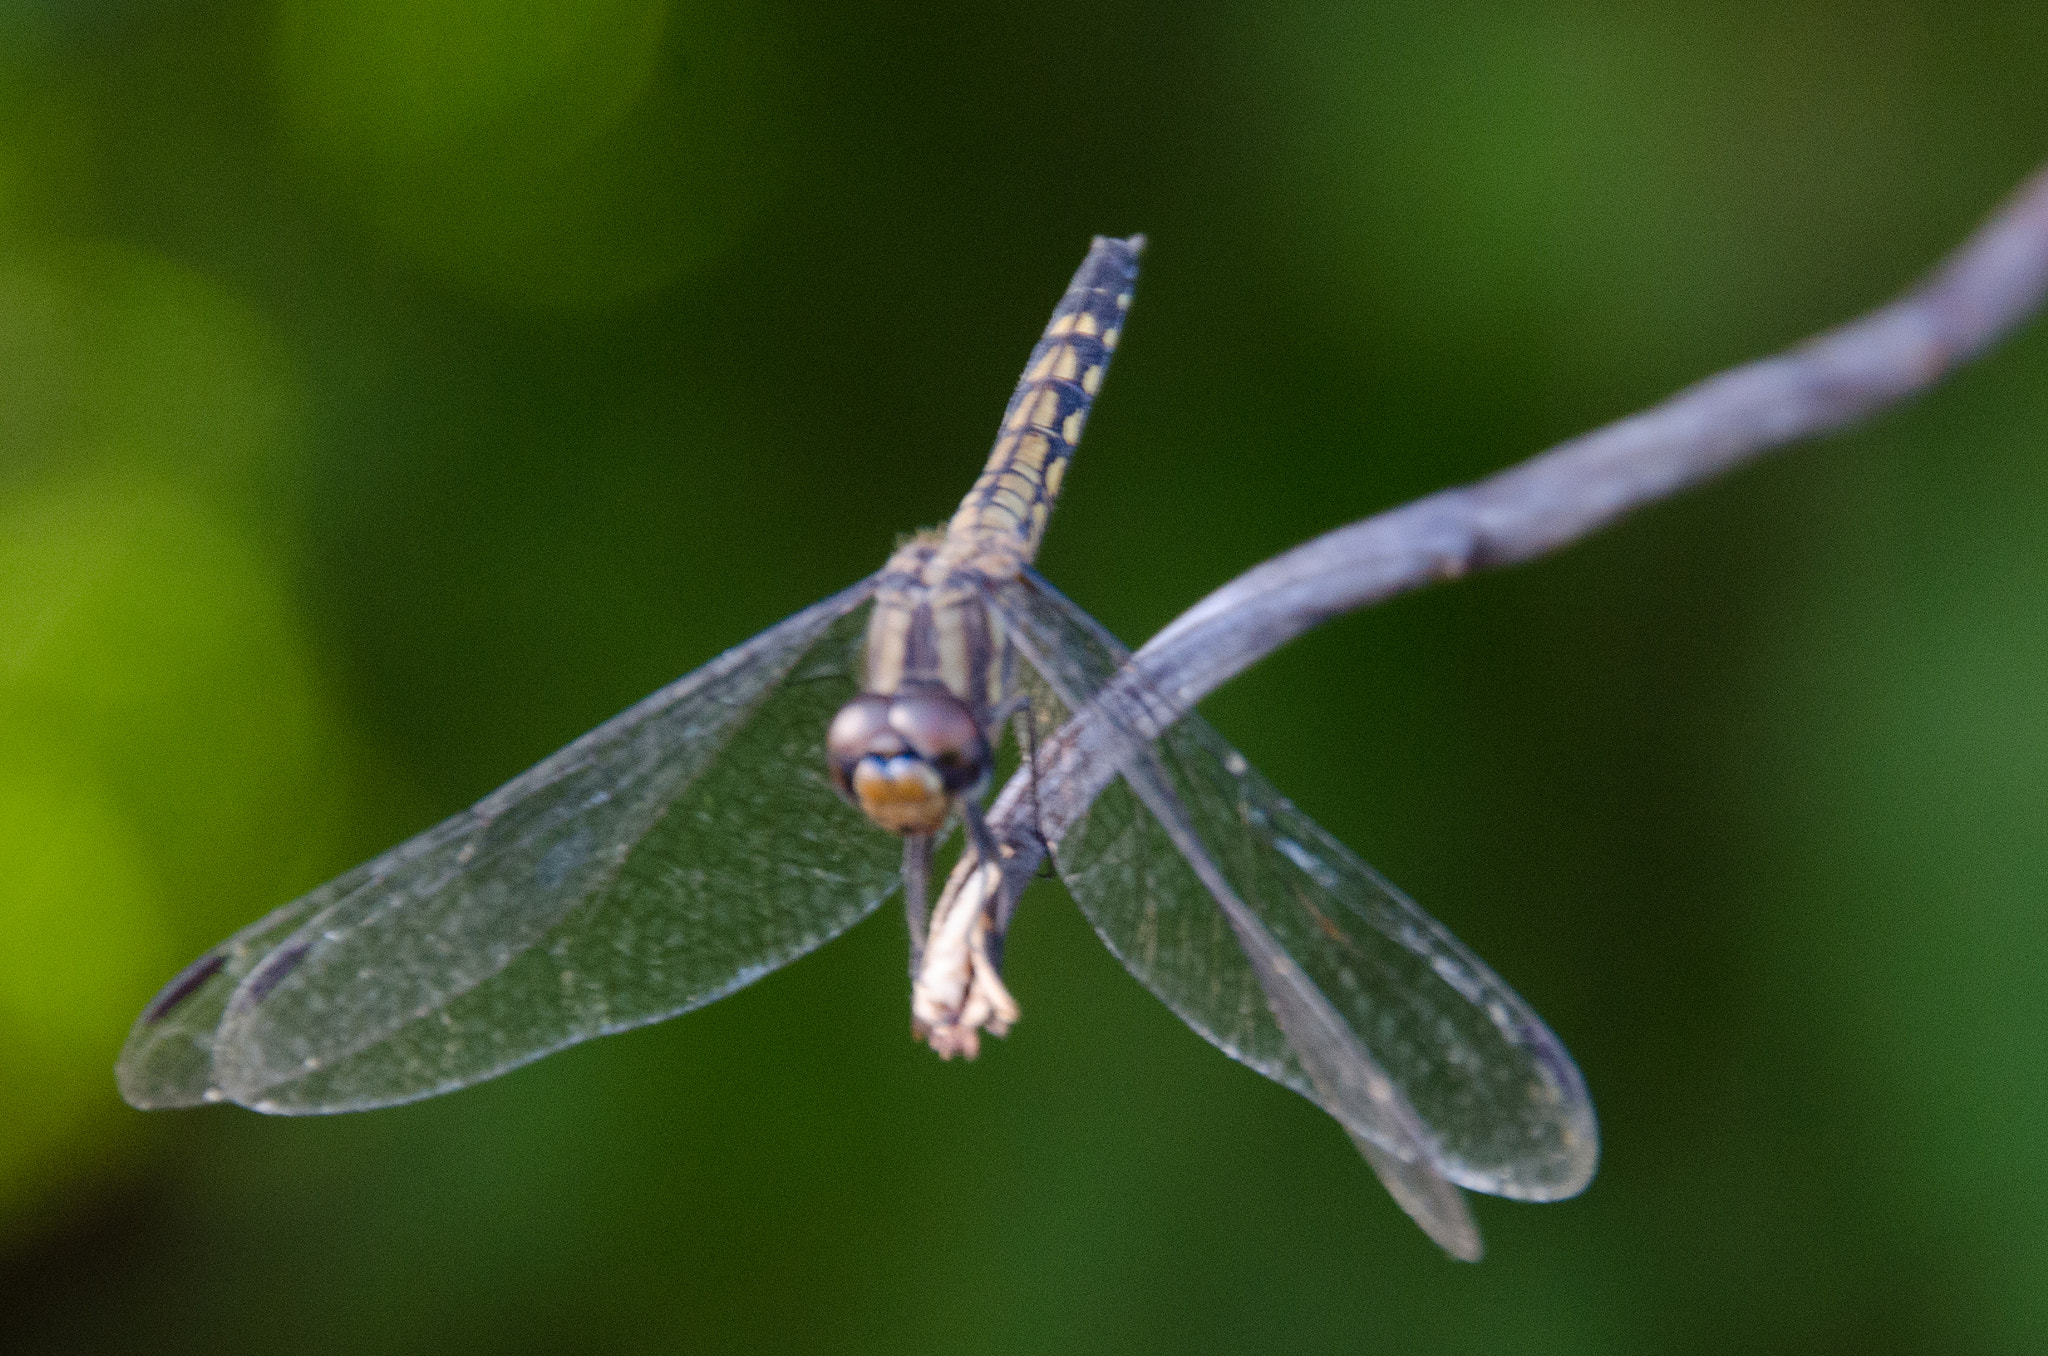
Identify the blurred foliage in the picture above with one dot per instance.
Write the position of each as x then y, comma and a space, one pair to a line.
390, 391
535, 150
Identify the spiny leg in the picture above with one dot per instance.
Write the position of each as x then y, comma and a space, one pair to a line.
1018, 707
917, 871
1027, 735
979, 836
983, 842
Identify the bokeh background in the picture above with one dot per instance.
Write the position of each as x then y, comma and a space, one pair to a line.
392, 389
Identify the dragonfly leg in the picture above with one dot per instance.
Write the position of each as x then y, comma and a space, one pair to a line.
1027, 739
983, 840
917, 871
1016, 705
1013, 703
979, 836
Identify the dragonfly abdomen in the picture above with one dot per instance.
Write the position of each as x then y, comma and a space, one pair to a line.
1003, 517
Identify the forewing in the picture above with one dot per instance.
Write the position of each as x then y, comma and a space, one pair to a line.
167, 1060
674, 854
1504, 1108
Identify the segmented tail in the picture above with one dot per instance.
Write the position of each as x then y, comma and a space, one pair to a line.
1007, 508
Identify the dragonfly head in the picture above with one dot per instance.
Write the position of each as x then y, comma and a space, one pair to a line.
902, 757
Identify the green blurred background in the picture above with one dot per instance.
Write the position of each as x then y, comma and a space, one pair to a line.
392, 389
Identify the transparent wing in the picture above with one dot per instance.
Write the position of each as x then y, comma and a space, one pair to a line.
1502, 1108
676, 853
1348, 1082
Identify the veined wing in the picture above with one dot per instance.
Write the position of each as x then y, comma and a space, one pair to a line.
1501, 1106
672, 855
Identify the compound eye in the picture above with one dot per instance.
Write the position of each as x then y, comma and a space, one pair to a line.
941, 730
860, 728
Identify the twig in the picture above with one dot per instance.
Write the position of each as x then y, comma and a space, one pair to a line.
1974, 298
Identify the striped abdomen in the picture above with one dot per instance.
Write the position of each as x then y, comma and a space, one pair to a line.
1004, 515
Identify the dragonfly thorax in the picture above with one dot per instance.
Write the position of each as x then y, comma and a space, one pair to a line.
904, 757
916, 740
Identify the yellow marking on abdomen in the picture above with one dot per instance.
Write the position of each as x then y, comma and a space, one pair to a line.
1003, 516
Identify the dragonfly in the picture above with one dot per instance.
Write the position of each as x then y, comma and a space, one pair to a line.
758, 807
